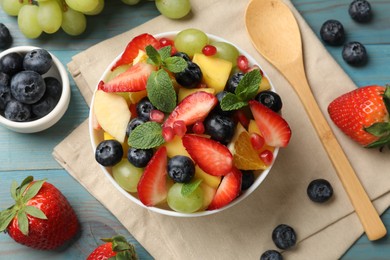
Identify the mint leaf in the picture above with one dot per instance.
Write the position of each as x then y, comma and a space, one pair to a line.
249, 85
165, 52
145, 136
232, 102
175, 64
154, 56
188, 188
160, 91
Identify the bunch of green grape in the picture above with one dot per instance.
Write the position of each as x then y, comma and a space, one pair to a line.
48, 16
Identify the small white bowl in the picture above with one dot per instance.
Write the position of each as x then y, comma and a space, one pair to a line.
97, 136
58, 71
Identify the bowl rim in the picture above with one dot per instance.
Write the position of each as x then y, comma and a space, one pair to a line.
58, 111
168, 212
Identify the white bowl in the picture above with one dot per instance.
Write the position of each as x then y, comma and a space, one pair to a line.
96, 138
58, 71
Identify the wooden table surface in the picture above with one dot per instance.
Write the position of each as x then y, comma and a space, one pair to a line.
30, 154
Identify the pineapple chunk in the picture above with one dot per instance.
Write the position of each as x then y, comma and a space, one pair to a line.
183, 92
175, 147
210, 180
125, 146
264, 84
135, 97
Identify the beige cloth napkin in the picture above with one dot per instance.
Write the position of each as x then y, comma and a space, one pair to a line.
243, 231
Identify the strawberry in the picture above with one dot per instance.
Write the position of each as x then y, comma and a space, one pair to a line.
152, 187
193, 108
114, 248
134, 46
228, 189
211, 156
41, 218
363, 115
273, 127
132, 80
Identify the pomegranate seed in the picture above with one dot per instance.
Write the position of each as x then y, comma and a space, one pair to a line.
156, 116
179, 128
165, 42
242, 63
167, 133
241, 117
267, 157
257, 141
209, 50
198, 128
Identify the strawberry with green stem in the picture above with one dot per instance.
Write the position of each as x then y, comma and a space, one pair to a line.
114, 248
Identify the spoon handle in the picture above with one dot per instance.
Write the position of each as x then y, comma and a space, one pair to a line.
365, 210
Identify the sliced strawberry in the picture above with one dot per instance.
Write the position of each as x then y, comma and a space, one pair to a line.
132, 80
228, 189
211, 156
193, 108
273, 127
152, 187
134, 46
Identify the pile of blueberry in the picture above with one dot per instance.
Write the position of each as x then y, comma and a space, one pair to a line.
332, 32
25, 93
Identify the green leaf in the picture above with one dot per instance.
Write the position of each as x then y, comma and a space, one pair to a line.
165, 52
386, 98
23, 186
384, 140
154, 56
175, 64
232, 102
161, 91
35, 212
33, 190
6, 217
14, 192
145, 136
249, 85
378, 129
188, 188
23, 222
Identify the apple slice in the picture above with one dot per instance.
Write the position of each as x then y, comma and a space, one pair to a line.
112, 113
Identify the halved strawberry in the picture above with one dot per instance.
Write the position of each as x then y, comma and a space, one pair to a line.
273, 127
228, 189
152, 187
193, 108
137, 43
132, 80
211, 156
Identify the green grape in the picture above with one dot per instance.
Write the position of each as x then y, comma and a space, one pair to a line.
226, 51
184, 204
12, 7
28, 21
97, 10
131, 2
174, 9
117, 71
82, 6
49, 16
127, 175
73, 23
191, 41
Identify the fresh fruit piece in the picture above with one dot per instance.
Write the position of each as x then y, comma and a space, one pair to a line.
270, 99
109, 152
198, 128
132, 80
271, 255
116, 247
134, 46
253, 129
360, 11
135, 97
173, 9
114, 73
272, 126
220, 128
319, 190
248, 178
73, 22
28, 87
209, 50
112, 113
175, 147
136, 121
354, 53
194, 107
179, 127
181, 169
264, 84
127, 175
5, 37
228, 190
125, 145
267, 157
215, 71
184, 203
157, 116
190, 77
211, 156
41, 218
257, 141
210, 180
242, 63
38, 60
144, 107
139, 157
152, 187
227, 52
284, 236
191, 41
332, 32
17, 111
363, 115
184, 92
208, 195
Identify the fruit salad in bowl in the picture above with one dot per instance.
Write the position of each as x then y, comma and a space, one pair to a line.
186, 123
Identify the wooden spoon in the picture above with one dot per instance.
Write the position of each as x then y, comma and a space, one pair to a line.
275, 34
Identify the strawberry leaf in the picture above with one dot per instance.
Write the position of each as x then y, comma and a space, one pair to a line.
384, 140
378, 129
188, 188
23, 222
35, 212
14, 192
147, 135
6, 217
33, 190
386, 98
161, 91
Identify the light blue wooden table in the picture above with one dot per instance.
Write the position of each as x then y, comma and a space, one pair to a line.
22, 155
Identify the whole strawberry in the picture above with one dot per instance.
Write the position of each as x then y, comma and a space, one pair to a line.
363, 114
115, 248
41, 218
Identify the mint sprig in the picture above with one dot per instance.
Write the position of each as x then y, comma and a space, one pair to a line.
145, 136
160, 91
162, 58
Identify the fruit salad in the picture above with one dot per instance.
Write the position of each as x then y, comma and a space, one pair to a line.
186, 123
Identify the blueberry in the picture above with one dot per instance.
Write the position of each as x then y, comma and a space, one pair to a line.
53, 88
233, 81
44, 106
270, 99
190, 77
109, 152
17, 111
38, 60
5, 37
143, 108
133, 124
284, 236
28, 87
220, 128
182, 55
181, 169
11, 63
271, 255
354, 53
360, 11
139, 157
248, 178
5, 96
217, 109
320, 190
332, 32
4, 79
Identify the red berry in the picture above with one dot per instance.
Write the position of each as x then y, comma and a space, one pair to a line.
179, 128
242, 63
242, 118
198, 128
266, 156
209, 50
167, 133
165, 42
257, 141
157, 116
